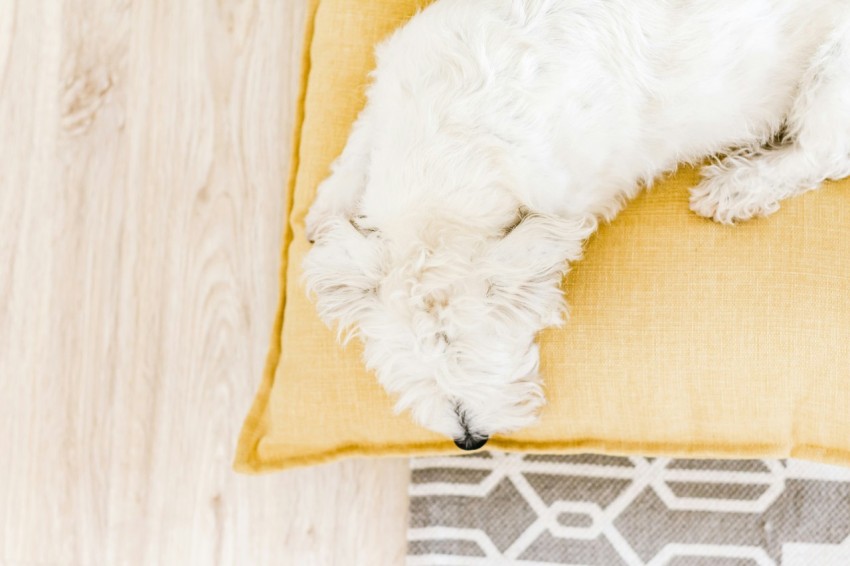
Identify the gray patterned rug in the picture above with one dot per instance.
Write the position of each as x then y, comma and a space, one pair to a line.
494, 508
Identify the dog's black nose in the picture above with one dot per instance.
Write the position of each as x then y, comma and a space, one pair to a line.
471, 442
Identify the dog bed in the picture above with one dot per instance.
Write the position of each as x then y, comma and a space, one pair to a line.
686, 338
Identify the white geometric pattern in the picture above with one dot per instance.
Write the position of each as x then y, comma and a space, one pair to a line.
709, 493
801, 554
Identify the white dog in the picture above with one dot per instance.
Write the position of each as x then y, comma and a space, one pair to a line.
497, 134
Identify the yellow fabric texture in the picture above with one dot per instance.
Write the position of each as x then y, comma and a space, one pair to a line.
686, 338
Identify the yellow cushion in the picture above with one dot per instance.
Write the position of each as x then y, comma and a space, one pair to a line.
686, 338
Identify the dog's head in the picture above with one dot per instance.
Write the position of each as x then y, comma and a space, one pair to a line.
448, 311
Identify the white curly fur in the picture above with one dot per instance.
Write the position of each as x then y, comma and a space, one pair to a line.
498, 132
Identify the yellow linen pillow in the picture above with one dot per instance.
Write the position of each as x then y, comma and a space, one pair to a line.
686, 338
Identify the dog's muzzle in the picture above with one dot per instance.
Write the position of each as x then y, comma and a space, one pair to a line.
471, 442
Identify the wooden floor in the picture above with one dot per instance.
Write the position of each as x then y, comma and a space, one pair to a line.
142, 160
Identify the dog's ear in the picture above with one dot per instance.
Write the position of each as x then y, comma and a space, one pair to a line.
527, 265
342, 271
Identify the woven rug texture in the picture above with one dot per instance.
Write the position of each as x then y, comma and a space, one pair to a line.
494, 508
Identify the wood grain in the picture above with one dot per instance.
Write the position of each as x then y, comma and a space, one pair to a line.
142, 160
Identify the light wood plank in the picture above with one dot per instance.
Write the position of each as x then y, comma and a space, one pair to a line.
143, 150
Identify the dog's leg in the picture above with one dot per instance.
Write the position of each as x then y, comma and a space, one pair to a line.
751, 183
338, 193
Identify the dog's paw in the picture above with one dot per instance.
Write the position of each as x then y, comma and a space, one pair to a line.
334, 199
726, 198
316, 218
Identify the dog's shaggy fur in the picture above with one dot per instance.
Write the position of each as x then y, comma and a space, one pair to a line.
497, 134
